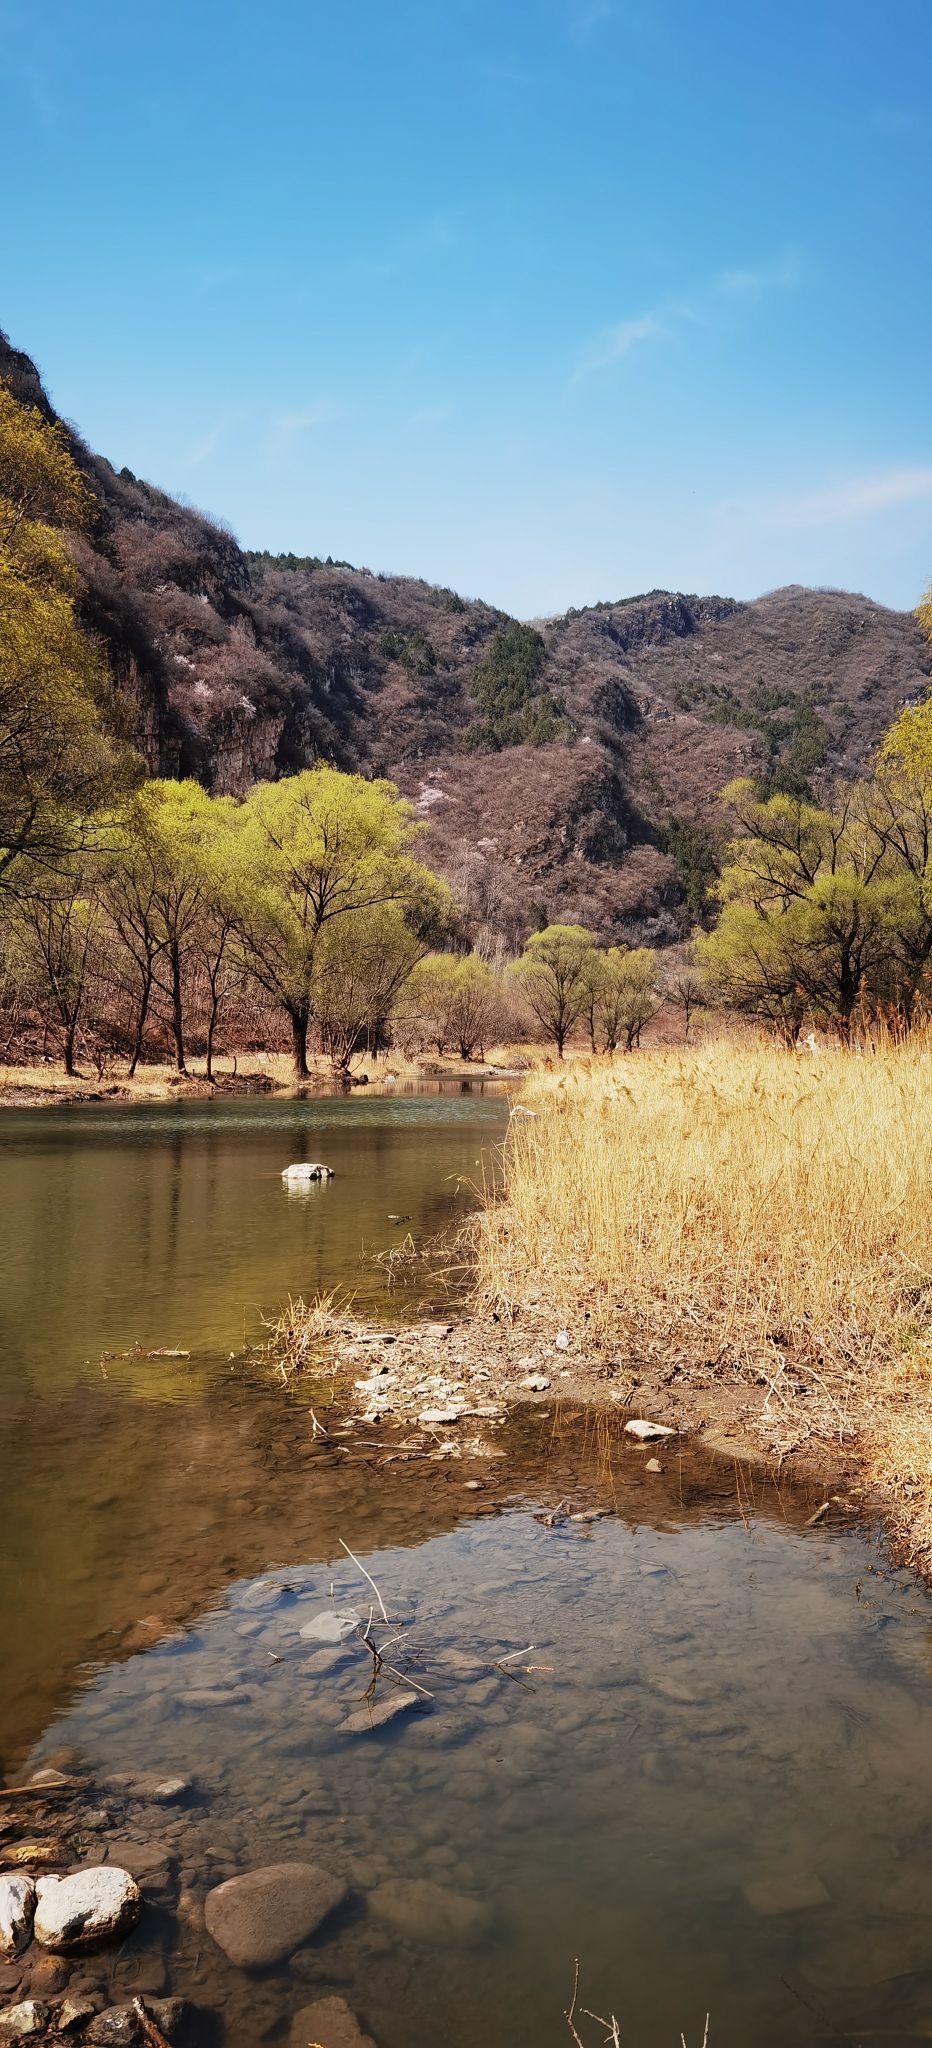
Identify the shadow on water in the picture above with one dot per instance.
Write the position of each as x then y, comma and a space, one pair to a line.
709, 1777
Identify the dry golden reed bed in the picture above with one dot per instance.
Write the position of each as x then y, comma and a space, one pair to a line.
747, 1209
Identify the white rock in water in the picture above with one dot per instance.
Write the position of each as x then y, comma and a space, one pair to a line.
17, 1905
330, 1627
307, 1169
648, 1432
19, 2022
78, 1912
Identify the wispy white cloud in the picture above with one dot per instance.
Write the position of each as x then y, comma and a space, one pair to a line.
855, 498
746, 286
616, 342
781, 275
287, 427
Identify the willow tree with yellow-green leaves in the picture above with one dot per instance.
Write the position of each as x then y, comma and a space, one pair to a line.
317, 855
826, 909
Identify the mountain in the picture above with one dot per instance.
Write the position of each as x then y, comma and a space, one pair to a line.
567, 769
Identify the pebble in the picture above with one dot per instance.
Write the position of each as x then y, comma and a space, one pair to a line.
647, 1432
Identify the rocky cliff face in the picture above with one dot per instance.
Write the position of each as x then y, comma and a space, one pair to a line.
237, 667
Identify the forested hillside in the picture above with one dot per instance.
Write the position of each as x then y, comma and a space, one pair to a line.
568, 769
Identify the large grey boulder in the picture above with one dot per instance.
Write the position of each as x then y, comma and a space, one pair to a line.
328, 2023
264, 1916
92, 1906
17, 1906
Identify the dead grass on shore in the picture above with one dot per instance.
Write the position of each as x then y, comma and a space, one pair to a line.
45, 1081
740, 1209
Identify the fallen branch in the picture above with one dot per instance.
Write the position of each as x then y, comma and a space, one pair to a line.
153, 2034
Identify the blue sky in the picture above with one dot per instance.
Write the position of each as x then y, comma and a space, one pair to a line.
550, 302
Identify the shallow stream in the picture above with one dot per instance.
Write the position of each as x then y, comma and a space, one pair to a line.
687, 1742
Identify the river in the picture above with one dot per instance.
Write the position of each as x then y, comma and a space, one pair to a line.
687, 1742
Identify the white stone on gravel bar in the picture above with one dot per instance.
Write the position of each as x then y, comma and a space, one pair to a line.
536, 1383
92, 1906
263, 1916
17, 1905
430, 1417
647, 1432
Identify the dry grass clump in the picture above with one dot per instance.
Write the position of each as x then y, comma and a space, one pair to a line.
738, 1206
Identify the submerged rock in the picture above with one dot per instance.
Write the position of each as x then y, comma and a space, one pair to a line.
121, 2026
266, 1593
796, 1892
39, 1853
307, 1169
92, 1906
265, 1915
330, 1627
328, 2023
424, 1911
378, 1712
17, 1906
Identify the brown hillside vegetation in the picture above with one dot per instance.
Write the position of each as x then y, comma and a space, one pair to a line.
629, 717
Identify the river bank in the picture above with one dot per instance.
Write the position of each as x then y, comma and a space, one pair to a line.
734, 1241
43, 1086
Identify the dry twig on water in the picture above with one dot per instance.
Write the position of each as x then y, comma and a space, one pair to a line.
153, 2034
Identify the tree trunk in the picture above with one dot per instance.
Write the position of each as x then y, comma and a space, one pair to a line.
299, 1019
70, 1034
211, 1028
177, 1017
141, 1016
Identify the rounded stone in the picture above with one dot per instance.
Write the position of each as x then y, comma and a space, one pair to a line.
328, 2023
92, 1906
263, 1916
17, 1905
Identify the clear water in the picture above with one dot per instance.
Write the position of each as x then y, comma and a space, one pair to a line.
714, 1788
